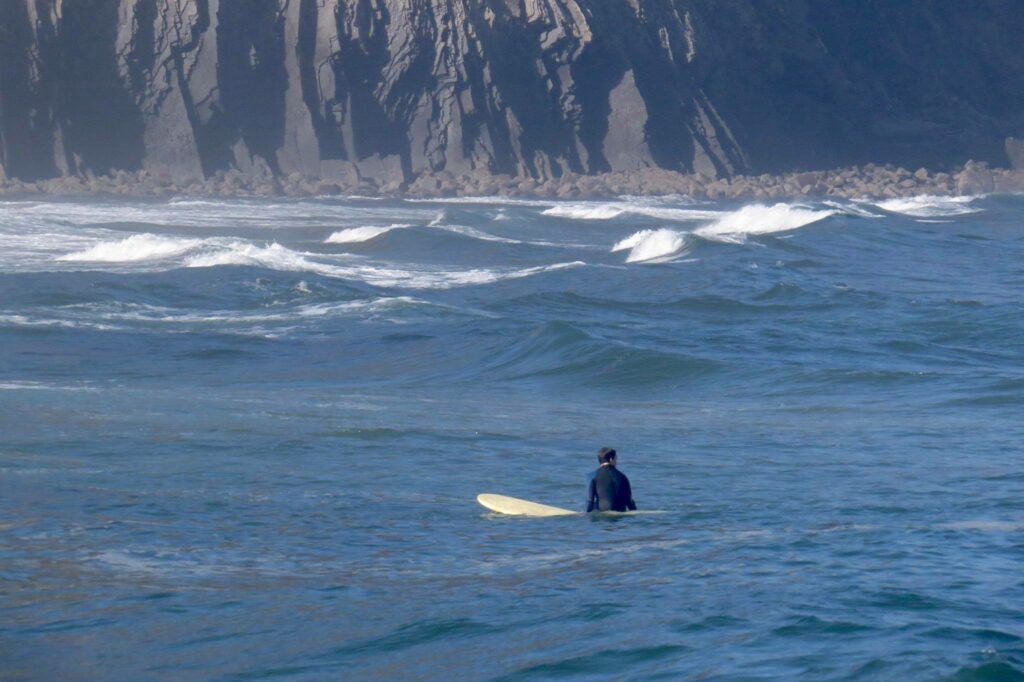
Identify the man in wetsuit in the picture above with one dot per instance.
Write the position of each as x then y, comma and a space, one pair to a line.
609, 488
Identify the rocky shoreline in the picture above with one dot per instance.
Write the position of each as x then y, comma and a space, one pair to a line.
871, 181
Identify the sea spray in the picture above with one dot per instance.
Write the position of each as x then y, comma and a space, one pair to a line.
648, 246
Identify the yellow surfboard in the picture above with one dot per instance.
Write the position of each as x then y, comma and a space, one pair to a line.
513, 506
517, 507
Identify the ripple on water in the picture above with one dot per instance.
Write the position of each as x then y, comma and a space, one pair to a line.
622, 661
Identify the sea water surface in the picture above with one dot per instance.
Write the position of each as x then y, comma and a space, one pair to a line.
242, 439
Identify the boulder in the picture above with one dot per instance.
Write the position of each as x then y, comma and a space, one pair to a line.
975, 178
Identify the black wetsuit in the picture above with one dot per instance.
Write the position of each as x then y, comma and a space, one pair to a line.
609, 491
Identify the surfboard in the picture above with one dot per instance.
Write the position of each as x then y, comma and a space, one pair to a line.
513, 506
516, 507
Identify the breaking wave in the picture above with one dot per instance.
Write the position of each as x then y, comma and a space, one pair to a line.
277, 257
852, 209
760, 219
928, 206
138, 247
660, 245
608, 211
651, 246
354, 235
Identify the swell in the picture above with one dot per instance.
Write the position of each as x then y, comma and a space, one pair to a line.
562, 351
150, 251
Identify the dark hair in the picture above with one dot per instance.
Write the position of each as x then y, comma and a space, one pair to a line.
605, 455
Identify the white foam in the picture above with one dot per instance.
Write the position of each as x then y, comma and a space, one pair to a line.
227, 213
760, 219
277, 257
40, 386
475, 234
137, 247
852, 209
585, 211
246, 321
606, 211
928, 206
651, 246
8, 320
361, 234
487, 237
273, 256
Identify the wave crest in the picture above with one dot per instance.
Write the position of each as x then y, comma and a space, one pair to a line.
652, 246
760, 219
137, 247
928, 206
355, 235
607, 211
277, 257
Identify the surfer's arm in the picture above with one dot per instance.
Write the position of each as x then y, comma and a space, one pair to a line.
591, 496
631, 505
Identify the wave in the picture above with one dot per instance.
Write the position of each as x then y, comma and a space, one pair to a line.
585, 211
651, 246
236, 213
560, 349
150, 250
354, 235
273, 256
475, 234
26, 321
928, 206
364, 234
137, 247
42, 386
607, 211
271, 321
277, 257
852, 209
487, 237
137, 312
760, 219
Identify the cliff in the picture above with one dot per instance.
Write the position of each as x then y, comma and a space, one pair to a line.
383, 92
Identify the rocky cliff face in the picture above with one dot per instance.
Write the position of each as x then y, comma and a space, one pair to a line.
391, 90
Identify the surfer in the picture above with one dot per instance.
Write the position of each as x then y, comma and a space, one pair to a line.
609, 488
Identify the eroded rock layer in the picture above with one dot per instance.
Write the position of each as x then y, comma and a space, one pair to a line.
388, 92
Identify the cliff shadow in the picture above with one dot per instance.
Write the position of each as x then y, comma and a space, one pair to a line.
100, 119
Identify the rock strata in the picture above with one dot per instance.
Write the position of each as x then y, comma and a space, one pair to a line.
515, 96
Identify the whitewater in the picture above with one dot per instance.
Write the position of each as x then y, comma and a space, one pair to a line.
242, 438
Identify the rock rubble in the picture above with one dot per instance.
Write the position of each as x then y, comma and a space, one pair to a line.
871, 180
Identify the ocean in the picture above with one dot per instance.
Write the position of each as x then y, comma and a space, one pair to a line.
242, 439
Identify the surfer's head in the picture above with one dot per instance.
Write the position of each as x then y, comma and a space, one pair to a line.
606, 455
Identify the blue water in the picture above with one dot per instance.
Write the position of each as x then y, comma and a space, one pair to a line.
242, 439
